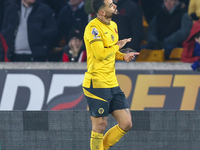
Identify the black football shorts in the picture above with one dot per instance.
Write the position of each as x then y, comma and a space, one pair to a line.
102, 101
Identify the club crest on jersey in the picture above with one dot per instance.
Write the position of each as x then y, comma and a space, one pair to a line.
95, 33
112, 37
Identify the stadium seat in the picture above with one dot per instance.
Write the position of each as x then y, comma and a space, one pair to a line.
147, 55
175, 55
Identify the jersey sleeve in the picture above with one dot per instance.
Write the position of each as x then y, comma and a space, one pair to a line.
94, 36
119, 55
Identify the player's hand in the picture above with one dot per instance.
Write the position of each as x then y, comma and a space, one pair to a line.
130, 56
123, 42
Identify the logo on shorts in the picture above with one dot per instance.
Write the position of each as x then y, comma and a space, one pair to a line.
101, 110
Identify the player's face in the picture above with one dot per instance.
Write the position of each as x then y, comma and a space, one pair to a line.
110, 8
169, 4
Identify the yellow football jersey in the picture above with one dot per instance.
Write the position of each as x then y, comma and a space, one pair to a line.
100, 40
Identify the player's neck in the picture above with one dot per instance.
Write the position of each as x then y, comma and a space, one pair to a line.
102, 18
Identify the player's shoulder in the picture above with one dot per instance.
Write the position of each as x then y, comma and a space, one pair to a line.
93, 26
92, 29
92, 23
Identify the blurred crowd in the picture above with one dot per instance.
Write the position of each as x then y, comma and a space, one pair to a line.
52, 30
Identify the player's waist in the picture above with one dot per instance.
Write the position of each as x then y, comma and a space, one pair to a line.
99, 83
100, 75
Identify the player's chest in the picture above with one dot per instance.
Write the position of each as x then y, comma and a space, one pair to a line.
109, 36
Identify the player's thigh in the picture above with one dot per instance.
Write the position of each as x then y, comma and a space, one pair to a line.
123, 117
119, 108
99, 124
118, 101
98, 100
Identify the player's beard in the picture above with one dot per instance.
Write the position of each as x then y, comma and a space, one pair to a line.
110, 15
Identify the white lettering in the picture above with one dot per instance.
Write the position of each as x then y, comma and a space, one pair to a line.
59, 81
13, 81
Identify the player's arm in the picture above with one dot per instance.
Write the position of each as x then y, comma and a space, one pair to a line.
126, 57
119, 55
100, 51
130, 56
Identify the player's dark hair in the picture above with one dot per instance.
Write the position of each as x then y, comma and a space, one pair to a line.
97, 4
